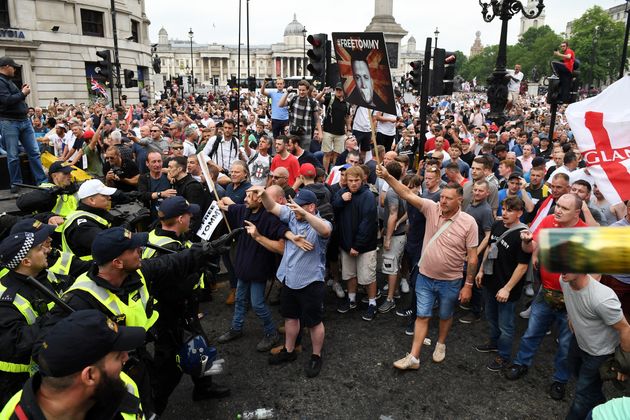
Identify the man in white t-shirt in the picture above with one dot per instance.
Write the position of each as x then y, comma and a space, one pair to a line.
515, 77
362, 130
259, 162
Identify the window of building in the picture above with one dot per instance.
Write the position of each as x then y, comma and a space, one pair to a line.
135, 25
92, 22
4, 14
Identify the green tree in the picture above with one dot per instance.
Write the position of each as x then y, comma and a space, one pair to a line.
481, 65
597, 41
461, 61
534, 49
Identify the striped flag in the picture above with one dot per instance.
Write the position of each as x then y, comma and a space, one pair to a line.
129, 115
97, 87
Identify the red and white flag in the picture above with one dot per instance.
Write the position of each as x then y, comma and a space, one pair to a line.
129, 115
601, 126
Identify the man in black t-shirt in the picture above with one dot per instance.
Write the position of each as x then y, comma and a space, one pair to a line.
120, 173
502, 281
336, 124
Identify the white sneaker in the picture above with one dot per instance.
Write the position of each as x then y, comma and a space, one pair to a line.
386, 288
529, 290
404, 285
525, 314
439, 354
338, 290
427, 341
407, 362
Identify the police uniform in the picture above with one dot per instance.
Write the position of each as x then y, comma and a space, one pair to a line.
20, 307
82, 339
61, 203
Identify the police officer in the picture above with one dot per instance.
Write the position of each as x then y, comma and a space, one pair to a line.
117, 284
80, 362
178, 308
23, 254
91, 217
59, 197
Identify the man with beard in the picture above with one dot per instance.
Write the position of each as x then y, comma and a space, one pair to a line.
80, 372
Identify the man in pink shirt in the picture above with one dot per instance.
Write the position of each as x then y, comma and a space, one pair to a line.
450, 240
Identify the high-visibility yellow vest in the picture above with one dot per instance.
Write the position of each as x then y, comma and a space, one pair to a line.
159, 240
66, 203
134, 312
70, 219
24, 307
131, 386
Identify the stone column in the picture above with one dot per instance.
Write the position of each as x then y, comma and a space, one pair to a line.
210, 69
384, 7
281, 67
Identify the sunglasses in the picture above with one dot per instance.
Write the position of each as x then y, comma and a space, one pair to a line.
177, 148
277, 177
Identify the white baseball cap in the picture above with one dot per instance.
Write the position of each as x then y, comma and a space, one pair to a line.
92, 187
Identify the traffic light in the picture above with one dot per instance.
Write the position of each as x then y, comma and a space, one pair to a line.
416, 75
317, 57
104, 65
449, 72
251, 83
553, 90
129, 82
232, 83
443, 72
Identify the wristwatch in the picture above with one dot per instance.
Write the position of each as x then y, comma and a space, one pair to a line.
159, 194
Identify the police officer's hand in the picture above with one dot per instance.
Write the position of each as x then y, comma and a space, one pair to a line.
55, 220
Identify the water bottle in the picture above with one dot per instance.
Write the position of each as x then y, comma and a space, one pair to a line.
260, 414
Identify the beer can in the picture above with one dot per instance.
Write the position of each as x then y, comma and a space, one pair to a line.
585, 250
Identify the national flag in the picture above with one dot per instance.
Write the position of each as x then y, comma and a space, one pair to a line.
474, 82
97, 87
129, 115
601, 126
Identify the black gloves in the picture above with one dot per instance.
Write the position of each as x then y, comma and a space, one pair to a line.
220, 245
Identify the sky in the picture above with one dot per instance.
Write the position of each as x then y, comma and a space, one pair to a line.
457, 20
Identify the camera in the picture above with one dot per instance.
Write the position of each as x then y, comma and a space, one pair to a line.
118, 171
296, 130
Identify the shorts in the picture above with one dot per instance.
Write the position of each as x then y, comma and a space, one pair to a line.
513, 96
305, 304
333, 142
393, 258
364, 140
385, 141
428, 289
363, 267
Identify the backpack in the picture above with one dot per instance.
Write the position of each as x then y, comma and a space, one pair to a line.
323, 201
217, 142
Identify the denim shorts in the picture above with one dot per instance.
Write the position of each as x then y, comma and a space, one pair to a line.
428, 289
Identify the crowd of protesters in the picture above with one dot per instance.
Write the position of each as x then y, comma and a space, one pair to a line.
454, 225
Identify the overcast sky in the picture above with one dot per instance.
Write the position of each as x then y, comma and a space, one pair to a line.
457, 20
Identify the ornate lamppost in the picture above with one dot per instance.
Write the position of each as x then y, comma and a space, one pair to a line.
192, 62
497, 82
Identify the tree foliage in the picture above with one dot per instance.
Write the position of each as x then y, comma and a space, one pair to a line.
597, 41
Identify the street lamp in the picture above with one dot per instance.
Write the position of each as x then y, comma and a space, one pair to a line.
304, 51
436, 33
497, 82
192, 63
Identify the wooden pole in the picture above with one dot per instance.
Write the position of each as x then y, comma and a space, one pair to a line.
373, 126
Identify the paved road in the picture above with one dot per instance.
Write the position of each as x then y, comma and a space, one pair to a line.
358, 380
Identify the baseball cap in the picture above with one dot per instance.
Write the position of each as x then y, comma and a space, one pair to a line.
111, 243
8, 61
339, 85
514, 175
176, 206
481, 135
344, 167
467, 141
13, 249
92, 187
538, 161
305, 197
59, 166
82, 339
308, 170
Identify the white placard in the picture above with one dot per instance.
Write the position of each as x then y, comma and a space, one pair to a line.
210, 221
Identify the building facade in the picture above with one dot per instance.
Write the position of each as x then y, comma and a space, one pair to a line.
56, 44
531, 23
616, 13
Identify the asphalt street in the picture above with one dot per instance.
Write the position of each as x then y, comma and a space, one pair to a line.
358, 381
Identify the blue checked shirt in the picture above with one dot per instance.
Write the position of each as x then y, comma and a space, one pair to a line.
300, 268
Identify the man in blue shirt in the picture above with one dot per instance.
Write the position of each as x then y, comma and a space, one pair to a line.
302, 271
279, 115
515, 188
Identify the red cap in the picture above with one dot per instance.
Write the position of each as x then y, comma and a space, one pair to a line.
466, 141
308, 170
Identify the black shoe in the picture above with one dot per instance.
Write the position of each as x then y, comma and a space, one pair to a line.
229, 336
370, 313
469, 318
497, 364
486, 348
15, 189
515, 372
346, 305
557, 391
314, 366
282, 357
213, 391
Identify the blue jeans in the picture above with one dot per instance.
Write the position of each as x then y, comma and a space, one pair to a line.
428, 289
588, 386
16, 132
500, 318
255, 293
540, 320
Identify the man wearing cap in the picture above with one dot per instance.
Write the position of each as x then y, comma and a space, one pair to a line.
177, 307
15, 127
266, 238
60, 197
80, 372
336, 124
23, 254
91, 217
118, 285
515, 187
302, 271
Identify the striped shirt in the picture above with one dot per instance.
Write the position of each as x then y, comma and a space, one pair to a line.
300, 268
